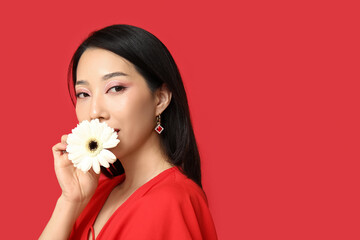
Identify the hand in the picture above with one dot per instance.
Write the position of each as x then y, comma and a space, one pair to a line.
77, 186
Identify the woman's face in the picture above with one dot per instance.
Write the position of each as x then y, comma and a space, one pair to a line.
109, 88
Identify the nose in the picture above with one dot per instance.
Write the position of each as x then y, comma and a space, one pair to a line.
98, 109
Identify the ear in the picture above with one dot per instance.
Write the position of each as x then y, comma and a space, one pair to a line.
162, 99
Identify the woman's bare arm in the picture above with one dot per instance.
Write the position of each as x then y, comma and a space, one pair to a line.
77, 189
62, 220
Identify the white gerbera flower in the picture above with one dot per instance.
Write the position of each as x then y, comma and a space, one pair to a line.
88, 143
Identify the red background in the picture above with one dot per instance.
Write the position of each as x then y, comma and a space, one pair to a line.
273, 88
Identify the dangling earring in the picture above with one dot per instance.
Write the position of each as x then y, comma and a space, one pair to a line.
158, 127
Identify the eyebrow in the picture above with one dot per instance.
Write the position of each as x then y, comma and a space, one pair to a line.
104, 78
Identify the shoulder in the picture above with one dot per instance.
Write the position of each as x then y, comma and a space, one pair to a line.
179, 207
176, 190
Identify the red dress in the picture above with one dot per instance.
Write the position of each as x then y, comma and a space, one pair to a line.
169, 206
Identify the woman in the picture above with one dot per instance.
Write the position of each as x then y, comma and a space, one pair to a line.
126, 77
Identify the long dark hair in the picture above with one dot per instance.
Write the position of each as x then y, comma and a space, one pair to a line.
154, 62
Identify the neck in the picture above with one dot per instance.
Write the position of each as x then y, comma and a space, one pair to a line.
144, 164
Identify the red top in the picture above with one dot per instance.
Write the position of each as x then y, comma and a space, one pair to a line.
169, 206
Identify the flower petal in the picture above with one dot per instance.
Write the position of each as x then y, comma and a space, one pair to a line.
75, 160
74, 148
74, 139
106, 134
96, 165
83, 130
94, 128
103, 161
85, 164
77, 155
109, 156
111, 143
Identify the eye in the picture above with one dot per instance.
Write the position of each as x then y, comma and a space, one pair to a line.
82, 95
116, 89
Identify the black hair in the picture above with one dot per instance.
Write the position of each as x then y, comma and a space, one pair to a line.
154, 62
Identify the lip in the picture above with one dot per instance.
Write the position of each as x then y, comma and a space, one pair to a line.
116, 130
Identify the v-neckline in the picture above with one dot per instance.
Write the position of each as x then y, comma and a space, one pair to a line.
135, 194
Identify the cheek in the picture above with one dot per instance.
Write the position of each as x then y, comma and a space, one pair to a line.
145, 117
135, 115
80, 112
138, 115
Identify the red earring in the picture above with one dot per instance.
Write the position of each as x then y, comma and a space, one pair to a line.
158, 127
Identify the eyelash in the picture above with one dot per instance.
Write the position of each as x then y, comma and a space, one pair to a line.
78, 94
118, 88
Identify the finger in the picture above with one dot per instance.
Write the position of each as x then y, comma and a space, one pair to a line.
61, 159
63, 138
59, 149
